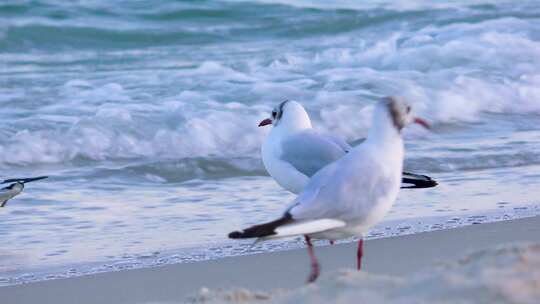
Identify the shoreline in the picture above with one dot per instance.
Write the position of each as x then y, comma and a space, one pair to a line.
401, 255
204, 253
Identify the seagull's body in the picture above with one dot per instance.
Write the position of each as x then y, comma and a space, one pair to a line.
10, 192
15, 188
358, 199
352, 194
293, 151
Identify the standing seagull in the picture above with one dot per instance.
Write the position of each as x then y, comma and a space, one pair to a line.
15, 188
293, 151
350, 195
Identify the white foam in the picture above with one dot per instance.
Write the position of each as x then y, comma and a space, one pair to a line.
399, 5
112, 126
451, 73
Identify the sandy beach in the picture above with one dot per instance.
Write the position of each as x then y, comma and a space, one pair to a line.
450, 264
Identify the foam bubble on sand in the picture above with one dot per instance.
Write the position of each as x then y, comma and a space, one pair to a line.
509, 274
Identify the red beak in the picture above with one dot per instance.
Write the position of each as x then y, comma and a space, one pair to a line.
265, 122
422, 122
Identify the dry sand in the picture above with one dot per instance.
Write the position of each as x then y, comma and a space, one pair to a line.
475, 264
507, 274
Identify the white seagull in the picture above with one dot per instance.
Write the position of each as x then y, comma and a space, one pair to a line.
347, 197
15, 188
293, 151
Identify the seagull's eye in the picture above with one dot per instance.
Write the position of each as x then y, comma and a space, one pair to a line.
274, 114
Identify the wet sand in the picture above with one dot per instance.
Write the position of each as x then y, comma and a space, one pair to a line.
394, 258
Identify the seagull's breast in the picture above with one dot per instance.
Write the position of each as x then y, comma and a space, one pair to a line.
381, 191
286, 175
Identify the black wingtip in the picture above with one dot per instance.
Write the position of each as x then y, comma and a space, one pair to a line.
419, 184
261, 230
235, 235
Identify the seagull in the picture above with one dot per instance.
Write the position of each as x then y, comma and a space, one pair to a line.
347, 197
15, 188
293, 151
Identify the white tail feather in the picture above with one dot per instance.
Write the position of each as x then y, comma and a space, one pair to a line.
306, 227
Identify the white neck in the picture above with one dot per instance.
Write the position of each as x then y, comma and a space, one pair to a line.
382, 129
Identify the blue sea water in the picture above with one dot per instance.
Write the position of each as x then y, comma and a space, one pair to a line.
144, 115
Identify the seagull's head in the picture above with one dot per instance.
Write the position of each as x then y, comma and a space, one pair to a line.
289, 113
17, 186
401, 113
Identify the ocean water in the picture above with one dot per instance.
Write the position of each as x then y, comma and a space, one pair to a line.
144, 115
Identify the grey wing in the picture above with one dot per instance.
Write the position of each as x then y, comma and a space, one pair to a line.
309, 151
338, 141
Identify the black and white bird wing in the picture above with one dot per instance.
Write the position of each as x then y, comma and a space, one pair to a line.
309, 151
410, 180
23, 180
312, 211
287, 225
316, 209
6, 194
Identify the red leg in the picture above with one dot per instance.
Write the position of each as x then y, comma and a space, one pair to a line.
359, 254
315, 268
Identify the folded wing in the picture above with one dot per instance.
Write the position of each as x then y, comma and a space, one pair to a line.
310, 151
